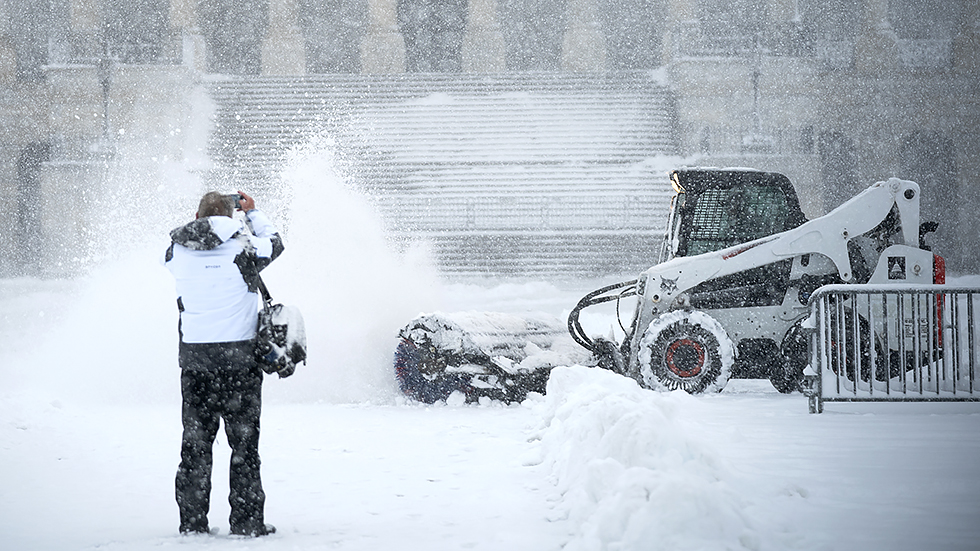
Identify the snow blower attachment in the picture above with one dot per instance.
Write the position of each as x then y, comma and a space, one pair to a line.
500, 356
728, 298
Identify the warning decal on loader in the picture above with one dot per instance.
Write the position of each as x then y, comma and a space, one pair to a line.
896, 267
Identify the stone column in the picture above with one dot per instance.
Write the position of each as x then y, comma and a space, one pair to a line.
966, 41
483, 44
383, 47
77, 81
680, 27
67, 231
876, 48
584, 47
78, 124
8, 56
284, 48
85, 17
784, 17
187, 34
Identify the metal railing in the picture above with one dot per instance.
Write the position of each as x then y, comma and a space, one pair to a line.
65, 52
692, 41
893, 343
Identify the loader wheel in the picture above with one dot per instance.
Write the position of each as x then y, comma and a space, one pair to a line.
786, 371
686, 350
845, 358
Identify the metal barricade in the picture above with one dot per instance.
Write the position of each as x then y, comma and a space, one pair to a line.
893, 343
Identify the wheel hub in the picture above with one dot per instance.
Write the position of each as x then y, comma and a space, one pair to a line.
685, 357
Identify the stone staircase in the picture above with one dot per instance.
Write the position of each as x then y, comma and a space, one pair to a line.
514, 175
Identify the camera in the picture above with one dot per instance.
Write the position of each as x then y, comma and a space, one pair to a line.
234, 198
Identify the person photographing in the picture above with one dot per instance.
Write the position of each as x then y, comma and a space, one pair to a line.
215, 260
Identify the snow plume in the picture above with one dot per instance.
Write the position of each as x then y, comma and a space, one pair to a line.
151, 183
110, 334
630, 470
354, 290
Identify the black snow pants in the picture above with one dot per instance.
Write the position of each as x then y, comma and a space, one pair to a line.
220, 381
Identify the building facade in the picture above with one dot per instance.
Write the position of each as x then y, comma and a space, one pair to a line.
836, 94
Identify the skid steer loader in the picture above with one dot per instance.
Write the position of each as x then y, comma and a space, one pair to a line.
728, 298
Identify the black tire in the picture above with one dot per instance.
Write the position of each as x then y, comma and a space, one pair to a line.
688, 351
786, 372
845, 359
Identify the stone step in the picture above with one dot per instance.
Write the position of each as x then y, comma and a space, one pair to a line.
359, 84
548, 255
553, 161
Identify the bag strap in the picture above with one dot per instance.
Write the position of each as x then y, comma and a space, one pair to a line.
266, 297
247, 245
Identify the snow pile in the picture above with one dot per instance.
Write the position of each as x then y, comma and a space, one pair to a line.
630, 471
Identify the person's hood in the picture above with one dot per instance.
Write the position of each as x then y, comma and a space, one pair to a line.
205, 234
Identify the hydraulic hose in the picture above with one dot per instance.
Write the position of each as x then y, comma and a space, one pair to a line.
599, 296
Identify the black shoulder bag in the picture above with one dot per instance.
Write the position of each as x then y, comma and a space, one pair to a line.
280, 340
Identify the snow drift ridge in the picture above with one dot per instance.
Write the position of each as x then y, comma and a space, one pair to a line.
630, 473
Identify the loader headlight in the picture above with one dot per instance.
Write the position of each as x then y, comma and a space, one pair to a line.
804, 296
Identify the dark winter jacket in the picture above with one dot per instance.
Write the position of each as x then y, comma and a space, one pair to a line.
216, 261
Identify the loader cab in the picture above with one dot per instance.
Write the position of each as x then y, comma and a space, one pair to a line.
717, 208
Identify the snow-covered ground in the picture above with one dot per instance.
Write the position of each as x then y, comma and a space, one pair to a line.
90, 428
89, 450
